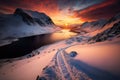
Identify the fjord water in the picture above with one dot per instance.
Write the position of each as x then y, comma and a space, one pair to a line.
27, 44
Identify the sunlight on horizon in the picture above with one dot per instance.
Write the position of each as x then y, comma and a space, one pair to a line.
64, 34
66, 20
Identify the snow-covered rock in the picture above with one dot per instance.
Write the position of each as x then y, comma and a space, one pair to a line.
73, 53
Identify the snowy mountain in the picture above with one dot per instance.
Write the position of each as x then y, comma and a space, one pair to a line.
107, 34
90, 26
32, 17
95, 27
24, 23
109, 24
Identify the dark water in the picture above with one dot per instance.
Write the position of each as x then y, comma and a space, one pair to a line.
26, 45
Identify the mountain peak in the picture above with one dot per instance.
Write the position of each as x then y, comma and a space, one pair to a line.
31, 17
26, 17
18, 11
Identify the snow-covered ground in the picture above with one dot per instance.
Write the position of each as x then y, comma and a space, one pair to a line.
93, 61
26, 67
104, 55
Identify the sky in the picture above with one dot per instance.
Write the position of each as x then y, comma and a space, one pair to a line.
66, 12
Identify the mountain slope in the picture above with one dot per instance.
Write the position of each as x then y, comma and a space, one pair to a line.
90, 26
32, 17
108, 25
24, 23
95, 27
107, 34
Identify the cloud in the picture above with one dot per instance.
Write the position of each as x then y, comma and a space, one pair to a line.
103, 10
64, 10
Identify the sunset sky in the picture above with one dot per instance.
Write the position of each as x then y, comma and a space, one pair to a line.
66, 12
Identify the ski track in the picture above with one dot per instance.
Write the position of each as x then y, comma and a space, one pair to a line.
62, 67
66, 70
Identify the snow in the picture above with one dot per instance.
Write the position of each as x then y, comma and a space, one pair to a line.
42, 16
103, 29
61, 69
94, 25
24, 31
31, 67
103, 55
88, 27
26, 69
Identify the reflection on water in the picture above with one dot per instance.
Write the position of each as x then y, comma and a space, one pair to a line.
64, 34
28, 44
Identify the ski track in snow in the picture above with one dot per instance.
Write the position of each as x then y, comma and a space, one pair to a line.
62, 66
68, 72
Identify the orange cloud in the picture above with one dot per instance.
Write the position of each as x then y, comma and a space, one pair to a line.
65, 11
